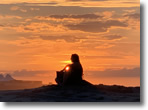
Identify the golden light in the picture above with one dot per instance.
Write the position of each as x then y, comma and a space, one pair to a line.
67, 68
67, 61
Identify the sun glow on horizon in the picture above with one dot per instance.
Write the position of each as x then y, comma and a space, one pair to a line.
67, 68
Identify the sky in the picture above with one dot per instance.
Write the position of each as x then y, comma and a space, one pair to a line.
38, 37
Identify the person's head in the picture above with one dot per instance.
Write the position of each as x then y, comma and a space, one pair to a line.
75, 58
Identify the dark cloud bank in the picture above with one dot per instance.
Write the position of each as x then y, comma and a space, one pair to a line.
135, 72
84, 16
96, 26
28, 73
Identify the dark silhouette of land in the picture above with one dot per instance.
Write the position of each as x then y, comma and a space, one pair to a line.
55, 93
9, 83
84, 92
8, 77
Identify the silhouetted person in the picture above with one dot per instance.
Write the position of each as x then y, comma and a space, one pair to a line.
72, 73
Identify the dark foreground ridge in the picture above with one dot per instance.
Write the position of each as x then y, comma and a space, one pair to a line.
54, 93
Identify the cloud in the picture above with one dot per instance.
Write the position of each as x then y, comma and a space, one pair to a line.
104, 57
98, 0
74, 0
133, 20
23, 10
40, 27
46, 10
15, 8
8, 17
135, 72
67, 38
85, 0
84, 16
108, 14
26, 73
133, 16
34, 9
131, 2
38, 4
28, 29
1, 25
96, 26
113, 37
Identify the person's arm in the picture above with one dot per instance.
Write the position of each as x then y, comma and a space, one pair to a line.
65, 68
66, 74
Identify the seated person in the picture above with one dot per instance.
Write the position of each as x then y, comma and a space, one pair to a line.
71, 74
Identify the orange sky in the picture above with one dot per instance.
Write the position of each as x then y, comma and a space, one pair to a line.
37, 38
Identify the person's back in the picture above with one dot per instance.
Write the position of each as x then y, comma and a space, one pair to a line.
77, 71
74, 75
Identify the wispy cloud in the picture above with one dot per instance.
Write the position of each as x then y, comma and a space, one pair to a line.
133, 16
112, 37
17, 8
86, 0
67, 38
83, 16
96, 26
